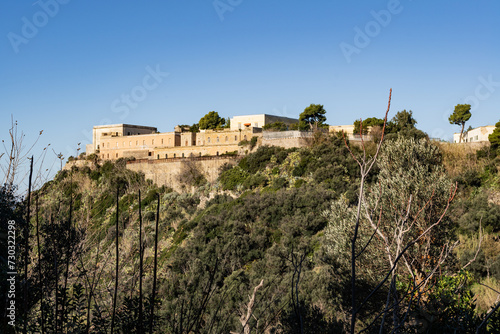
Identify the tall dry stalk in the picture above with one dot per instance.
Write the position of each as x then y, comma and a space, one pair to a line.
117, 262
153, 298
141, 255
39, 267
365, 164
26, 250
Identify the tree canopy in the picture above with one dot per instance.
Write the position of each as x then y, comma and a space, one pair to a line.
312, 115
460, 116
403, 124
369, 122
494, 138
212, 120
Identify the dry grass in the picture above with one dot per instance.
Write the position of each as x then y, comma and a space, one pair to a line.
459, 158
487, 293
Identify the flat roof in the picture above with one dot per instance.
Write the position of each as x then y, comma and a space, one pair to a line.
124, 125
265, 115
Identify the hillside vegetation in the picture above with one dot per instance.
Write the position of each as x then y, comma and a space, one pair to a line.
267, 248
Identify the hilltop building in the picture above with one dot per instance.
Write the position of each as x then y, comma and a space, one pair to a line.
258, 121
479, 134
100, 132
111, 142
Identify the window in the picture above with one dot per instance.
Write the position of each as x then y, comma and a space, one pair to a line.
143, 142
256, 124
108, 155
162, 141
174, 155
227, 139
168, 141
149, 154
108, 145
117, 155
116, 144
158, 156
235, 138
208, 140
130, 143
166, 156
217, 139
245, 137
217, 153
152, 141
186, 143
200, 154
183, 155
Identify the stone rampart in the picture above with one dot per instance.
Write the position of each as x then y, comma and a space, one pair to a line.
167, 171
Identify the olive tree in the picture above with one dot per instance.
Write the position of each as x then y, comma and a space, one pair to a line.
396, 228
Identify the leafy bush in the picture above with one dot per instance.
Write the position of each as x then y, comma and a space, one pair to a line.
231, 178
276, 126
469, 212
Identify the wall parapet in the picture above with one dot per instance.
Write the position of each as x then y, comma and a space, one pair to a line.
286, 134
203, 158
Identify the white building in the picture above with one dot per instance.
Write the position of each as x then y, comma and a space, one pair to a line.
258, 121
479, 134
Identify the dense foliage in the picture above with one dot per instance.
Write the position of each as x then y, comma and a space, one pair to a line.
312, 117
266, 248
211, 121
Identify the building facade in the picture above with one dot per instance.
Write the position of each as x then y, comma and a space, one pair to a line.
102, 132
111, 142
479, 134
258, 121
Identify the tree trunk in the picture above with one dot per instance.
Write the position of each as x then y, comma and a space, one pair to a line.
461, 133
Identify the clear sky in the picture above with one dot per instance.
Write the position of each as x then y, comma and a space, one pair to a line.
67, 65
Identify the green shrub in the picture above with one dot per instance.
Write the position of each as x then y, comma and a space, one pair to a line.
231, 178
254, 181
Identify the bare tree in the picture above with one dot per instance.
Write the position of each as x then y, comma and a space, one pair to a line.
15, 155
247, 312
391, 218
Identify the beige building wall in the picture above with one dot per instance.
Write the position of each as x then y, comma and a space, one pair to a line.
100, 132
348, 129
136, 145
175, 144
479, 134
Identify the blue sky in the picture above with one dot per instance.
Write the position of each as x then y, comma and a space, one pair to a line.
68, 65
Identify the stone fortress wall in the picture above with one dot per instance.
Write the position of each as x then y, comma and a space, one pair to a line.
117, 141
